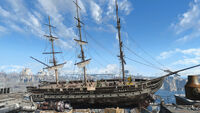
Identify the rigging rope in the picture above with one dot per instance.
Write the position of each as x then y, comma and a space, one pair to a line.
99, 57
149, 55
110, 52
138, 45
142, 58
143, 63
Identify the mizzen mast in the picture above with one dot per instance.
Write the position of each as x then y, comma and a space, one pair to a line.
83, 62
55, 65
121, 56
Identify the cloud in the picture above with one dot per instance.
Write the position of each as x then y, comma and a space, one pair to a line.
193, 51
29, 17
189, 37
4, 13
3, 29
187, 61
58, 11
167, 54
19, 18
189, 21
11, 68
125, 7
96, 11
16, 28
194, 71
189, 56
111, 8
110, 68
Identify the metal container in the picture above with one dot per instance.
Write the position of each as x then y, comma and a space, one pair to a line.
192, 88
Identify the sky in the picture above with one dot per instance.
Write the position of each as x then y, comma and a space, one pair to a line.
156, 35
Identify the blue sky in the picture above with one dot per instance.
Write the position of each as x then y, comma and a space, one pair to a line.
167, 30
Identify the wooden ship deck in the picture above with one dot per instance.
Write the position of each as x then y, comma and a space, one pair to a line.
112, 95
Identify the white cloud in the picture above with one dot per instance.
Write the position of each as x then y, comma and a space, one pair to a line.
111, 7
187, 61
17, 5
53, 9
192, 51
105, 28
168, 54
65, 44
81, 5
189, 37
3, 29
96, 11
184, 38
11, 68
188, 56
110, 68
16, 28
194, 71
4, 13
190, 20
22, 19
111, 28
19, 18
125, 7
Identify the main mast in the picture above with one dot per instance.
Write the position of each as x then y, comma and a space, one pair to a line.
121, 56
55, 65
83, 62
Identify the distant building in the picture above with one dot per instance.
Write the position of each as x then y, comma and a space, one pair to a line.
41, 75
26, 75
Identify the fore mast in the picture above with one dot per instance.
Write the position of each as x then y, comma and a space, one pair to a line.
121, 54
55, 66
83, 62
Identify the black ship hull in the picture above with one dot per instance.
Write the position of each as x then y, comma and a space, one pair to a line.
123, 96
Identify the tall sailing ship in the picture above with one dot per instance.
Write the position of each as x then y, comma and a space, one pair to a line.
103, 93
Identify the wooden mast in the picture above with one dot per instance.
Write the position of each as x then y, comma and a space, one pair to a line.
55, 66
81, 43
52, 39
121, 56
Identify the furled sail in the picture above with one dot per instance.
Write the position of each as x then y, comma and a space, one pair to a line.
80, 42
83, 63
55, 67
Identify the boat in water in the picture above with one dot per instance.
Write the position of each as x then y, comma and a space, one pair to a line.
105, 93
